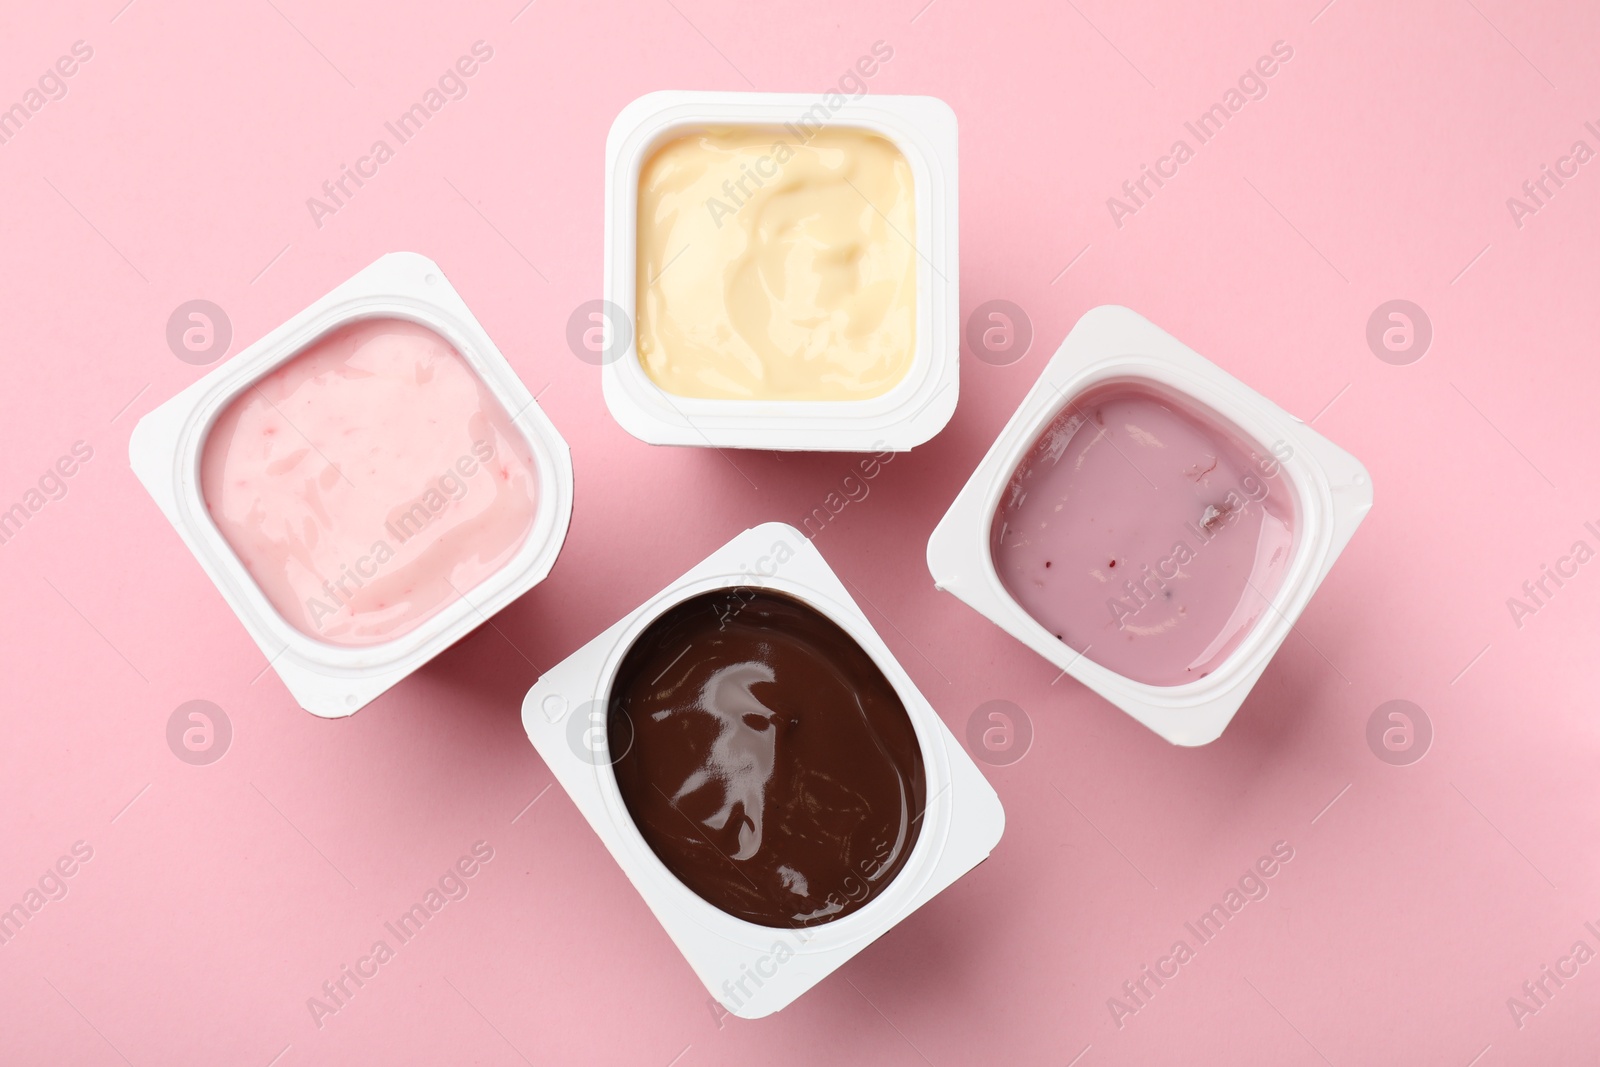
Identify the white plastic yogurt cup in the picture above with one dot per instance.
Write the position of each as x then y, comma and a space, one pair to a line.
912, 411
1113, 347
327, 678
753, 970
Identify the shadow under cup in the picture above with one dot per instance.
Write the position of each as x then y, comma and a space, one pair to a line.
765, 758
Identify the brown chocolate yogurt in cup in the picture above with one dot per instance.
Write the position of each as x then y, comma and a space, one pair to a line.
765, 758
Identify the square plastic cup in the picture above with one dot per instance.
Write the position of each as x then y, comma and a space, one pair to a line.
1325, 492
923, 129
753, 970
328, 677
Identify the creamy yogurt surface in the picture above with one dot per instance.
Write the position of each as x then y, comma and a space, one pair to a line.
369, 481
773, 266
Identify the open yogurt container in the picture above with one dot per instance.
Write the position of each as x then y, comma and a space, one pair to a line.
784, 270
364, 485
1150, 524
763, 770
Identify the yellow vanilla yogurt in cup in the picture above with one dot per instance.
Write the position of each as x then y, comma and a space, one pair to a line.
777, 263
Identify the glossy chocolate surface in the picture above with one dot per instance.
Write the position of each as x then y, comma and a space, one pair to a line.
765, 758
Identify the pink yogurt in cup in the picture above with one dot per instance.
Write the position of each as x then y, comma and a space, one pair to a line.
369, 482
1150, 525
1145, 534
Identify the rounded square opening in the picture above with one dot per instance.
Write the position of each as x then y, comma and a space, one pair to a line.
368, 481
765, 758
776, 263
1146, 532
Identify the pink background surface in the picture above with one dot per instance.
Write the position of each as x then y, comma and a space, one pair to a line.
219, 898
